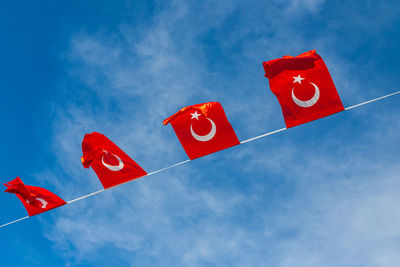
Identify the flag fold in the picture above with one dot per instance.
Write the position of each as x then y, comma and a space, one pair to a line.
112, 165
304, 87
35, 199
203, 129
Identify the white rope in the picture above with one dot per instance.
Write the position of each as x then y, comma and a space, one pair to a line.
263, 135
20, 219
169, 167
186, 161
85, 196
373, 100
151, 173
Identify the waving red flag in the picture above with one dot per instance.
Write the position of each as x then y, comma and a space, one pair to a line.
110, 163
304, 87
35, 199
203, 129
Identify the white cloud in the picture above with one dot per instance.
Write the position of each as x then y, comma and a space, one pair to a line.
312, 196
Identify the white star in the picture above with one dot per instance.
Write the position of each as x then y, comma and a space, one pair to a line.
298, 79
195, 115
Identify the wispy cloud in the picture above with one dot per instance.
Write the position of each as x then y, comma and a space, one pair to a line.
317, 195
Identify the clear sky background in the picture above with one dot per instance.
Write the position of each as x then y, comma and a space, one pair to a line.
322, 194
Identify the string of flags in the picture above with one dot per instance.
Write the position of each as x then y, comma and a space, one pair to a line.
302, 85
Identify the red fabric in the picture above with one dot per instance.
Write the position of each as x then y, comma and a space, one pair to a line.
206, 122
314, 74
35, 199
110, 163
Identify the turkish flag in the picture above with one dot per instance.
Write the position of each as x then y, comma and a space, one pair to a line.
109, 162
304, 87
35, 199
203, 129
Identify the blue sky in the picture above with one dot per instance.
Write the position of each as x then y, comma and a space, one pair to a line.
322, 194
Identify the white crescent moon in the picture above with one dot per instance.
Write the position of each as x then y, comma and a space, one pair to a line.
113, 168
44, 202
308, 103
207, 137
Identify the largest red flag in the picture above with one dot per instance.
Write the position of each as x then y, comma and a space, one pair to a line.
303, 86
203, 129
35, 199
110, 163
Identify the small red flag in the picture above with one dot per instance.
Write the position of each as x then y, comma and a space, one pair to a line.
304, 87
110, 163
203, 129
35, 199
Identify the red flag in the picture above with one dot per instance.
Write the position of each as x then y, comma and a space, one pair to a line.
110, 163
203, 129
304, 87
35, 199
